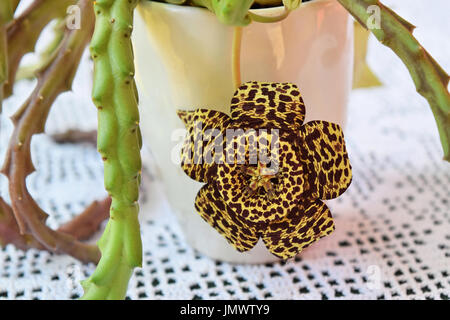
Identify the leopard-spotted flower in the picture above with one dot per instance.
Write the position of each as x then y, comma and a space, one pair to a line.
267, 178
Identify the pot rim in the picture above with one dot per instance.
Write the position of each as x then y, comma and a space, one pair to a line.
185, 9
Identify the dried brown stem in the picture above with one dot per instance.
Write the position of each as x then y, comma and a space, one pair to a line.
24, 31
81, 227
10, 233
76, 136
55, 78
86, 224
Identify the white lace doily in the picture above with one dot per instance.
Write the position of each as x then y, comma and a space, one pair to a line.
392, 238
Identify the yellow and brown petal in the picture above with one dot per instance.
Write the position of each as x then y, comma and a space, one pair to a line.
284, 238
326, 158
273, 198
268, 105
203, 127
307, 223
268, 176
214, 210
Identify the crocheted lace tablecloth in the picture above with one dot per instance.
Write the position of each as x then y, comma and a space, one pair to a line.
392, 238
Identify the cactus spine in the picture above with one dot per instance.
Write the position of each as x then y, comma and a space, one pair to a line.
119, 144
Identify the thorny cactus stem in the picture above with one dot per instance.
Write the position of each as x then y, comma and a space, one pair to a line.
119, 143
29, 120
10, 233
231, 12
430, 79
24, 31
81, 227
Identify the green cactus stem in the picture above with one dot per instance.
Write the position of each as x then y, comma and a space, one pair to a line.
430, 79
230, 12
24, 31
30, 119
119, 143
202, 3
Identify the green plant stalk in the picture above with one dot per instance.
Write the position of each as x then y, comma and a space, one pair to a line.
236, 57
24, 31
30, 119
233, 12
119, 143
230, 12
430, 79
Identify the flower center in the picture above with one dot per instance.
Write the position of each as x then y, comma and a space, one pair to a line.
261, 179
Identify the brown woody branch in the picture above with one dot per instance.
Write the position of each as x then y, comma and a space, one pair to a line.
84, 225
30, 119
10, 233
23, 33
81, 227
76, 136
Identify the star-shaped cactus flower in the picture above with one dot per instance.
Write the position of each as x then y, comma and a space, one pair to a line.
265, 172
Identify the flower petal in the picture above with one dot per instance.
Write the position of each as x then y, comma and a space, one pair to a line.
233, 183
268, 105
205, 132
214, 210
323, 149
306, 224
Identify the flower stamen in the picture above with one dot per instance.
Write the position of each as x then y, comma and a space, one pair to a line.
261, 178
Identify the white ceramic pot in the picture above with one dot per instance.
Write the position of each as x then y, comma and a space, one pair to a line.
183, 61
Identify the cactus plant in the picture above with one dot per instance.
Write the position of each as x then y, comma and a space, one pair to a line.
119, 139
30, 119
119, 144
24, 31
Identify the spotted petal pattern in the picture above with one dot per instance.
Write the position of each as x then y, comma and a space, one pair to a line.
271, 171
306, 224
288, 186
205, 133
268, 105
327, 157
213, 209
